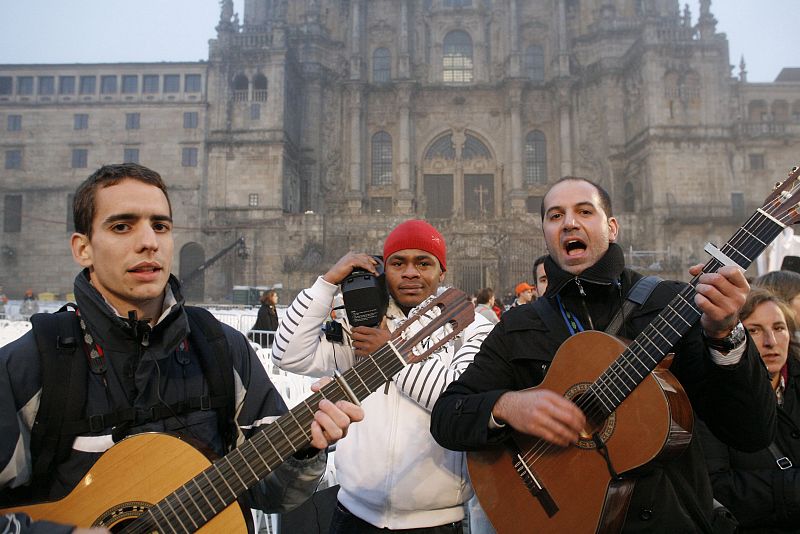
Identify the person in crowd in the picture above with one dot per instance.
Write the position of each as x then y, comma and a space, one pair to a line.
29, 305
3, 302
484, 304
539, 276
762, 488
715, 362
525, 293
784, 284
267, 320
144, 362
393, 476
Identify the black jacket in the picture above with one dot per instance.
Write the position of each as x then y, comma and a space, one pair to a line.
736, 400
763, 497
267, 318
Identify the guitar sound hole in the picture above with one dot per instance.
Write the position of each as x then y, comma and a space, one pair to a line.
596, 422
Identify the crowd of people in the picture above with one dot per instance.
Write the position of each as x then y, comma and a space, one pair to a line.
143, 361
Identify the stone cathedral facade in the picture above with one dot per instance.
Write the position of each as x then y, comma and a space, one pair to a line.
315, 126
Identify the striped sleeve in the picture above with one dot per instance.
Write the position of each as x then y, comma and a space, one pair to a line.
300, 347
423, 382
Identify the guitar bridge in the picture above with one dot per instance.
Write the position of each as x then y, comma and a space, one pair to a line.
536, 489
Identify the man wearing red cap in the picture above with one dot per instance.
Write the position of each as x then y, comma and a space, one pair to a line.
392, 473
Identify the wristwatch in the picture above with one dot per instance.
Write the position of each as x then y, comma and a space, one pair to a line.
729, 342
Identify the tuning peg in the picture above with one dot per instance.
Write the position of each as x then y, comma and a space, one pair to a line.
777, 185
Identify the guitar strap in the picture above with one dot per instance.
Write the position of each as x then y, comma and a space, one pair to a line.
636, 297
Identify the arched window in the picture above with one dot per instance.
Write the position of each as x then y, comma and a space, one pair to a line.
381, 159
381, 65
629, 198
534, 63
442, 148
241, 88
260, 88
535, 158
457, 58
474, 149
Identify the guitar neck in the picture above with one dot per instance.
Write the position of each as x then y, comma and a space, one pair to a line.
209, 493
657, 339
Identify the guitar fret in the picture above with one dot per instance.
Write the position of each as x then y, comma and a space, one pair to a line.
233, 493
158, 508
235, 472
263, 461
355, 372
305, 432
754, 236
379, 369
241, 455
200, 510
668, 323
613, 383
734, 249
273, 447
176, 517
213, 487
203, 494
183, 507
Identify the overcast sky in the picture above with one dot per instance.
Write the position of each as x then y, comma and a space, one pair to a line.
110, 31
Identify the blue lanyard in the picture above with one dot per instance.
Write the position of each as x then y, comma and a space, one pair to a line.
573, 323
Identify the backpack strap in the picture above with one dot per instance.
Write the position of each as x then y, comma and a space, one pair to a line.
637, 296
63, 371
207, 336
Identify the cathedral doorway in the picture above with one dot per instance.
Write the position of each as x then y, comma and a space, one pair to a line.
459, 178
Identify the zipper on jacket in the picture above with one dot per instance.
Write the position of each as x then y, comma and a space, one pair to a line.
583, 303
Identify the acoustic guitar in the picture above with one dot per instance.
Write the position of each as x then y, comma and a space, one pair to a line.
155, 482
636, 410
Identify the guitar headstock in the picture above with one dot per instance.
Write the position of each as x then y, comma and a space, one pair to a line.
439, 321
783, 204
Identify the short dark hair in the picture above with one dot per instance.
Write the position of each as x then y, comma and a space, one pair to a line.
484, 295
537, 262
83, 206
605, 199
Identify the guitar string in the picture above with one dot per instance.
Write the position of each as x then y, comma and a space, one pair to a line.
542, 447
297, 432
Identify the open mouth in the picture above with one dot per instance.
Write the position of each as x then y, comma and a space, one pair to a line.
574, 247
145, 269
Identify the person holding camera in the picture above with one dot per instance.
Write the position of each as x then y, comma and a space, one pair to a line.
392, 473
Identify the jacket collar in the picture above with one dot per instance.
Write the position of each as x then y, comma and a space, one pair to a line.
606, 271
109, 326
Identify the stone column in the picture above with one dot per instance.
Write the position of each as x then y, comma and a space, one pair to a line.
403, 57
514, 107
355, 194
565, 128
404, 197
355, 41
514, 67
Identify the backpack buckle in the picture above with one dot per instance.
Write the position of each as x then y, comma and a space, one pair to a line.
205, 403
784, 463
96, 423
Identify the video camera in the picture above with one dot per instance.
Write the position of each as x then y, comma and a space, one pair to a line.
365, 296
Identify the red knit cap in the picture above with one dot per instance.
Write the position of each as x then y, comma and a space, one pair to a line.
419, 235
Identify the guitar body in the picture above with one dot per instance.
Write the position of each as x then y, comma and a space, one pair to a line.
131, 476
655, 421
